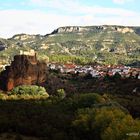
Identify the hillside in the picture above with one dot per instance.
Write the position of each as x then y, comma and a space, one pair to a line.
104, 44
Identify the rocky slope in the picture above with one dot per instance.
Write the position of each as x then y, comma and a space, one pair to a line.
105, 44
24, 70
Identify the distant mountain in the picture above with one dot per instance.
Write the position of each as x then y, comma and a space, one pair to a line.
105, 44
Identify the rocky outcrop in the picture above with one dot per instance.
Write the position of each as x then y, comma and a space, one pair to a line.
24, 70
125, 30
23, 37
69, 29
72, 29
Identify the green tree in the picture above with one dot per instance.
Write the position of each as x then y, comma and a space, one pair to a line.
29, 90
61, 93
105, 123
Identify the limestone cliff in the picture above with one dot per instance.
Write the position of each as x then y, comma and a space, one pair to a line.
73, 29
24, 70
69, 29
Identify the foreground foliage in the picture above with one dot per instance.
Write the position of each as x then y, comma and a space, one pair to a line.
79, 117
105, 123
26, 92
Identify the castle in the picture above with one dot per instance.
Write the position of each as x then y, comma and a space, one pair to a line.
24, 70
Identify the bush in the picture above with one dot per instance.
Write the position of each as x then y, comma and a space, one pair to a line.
29, 90
61, 93
87, 100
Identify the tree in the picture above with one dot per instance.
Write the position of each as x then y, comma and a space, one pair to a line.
29, 90
61, 93
106, 123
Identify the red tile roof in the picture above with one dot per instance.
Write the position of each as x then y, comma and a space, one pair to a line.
70, 66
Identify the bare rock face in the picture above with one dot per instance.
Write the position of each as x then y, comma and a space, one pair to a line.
69, 29
24, 70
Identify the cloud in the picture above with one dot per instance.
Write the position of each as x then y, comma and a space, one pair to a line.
32, 22
75, 7
59, 13
122, 1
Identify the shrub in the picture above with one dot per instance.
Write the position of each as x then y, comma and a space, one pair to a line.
29, 90
87, 100
61, 93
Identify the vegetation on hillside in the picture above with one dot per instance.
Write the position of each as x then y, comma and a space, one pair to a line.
103, 44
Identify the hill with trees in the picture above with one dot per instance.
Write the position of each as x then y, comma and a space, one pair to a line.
108, 44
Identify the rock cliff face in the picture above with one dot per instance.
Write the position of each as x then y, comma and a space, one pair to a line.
24, 70
73, 29
70, 29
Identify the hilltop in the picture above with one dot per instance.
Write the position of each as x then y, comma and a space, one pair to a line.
109, 44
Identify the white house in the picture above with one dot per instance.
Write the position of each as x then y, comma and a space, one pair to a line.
94, 73
139, 76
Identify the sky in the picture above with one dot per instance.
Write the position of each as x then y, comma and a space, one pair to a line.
43, 16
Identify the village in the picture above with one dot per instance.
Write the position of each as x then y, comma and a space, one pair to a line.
96, 71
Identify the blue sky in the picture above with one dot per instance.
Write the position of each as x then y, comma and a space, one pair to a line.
43, 16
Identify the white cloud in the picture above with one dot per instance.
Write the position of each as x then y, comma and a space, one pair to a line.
122, 1
75, 7
39, 22
32, 22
